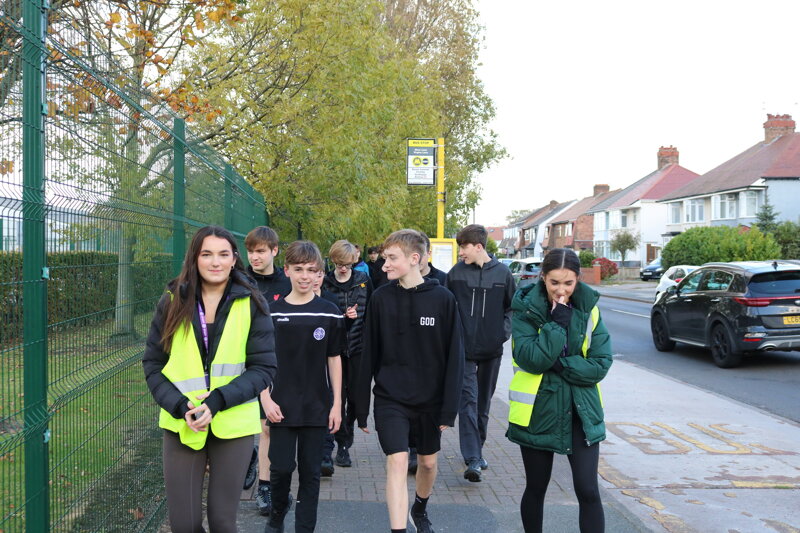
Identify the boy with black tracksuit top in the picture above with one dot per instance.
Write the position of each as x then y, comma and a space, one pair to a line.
304, 402
413, 350
262, 249
484, 289
353, 289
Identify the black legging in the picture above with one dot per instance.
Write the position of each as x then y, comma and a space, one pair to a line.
583, 461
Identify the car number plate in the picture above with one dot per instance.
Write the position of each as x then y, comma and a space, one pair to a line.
791, 319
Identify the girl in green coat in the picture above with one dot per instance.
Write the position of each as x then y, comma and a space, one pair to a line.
561, 352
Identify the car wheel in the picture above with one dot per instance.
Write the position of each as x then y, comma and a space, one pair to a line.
661, 340
722, 348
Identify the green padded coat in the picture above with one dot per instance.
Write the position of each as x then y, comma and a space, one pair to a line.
537, 343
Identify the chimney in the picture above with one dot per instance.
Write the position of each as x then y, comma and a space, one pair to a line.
777, 125
601, 189
667, 155
553, 204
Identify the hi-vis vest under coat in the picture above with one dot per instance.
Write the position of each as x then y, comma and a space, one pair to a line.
542, 400
185, 370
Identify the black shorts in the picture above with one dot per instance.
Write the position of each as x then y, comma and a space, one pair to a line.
397, 424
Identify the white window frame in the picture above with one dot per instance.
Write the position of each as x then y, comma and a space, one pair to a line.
568, 229
675, 212
723, 206
695, 210
744, 200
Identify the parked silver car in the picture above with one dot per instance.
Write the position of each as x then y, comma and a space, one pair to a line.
673, 276
525, 271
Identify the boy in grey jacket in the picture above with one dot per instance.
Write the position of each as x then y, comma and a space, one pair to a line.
484, 289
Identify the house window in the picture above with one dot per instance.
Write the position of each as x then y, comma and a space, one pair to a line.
675, 212
568, 230
723, 206
615, 221
600, 221
695, 210
751, 203
623, 219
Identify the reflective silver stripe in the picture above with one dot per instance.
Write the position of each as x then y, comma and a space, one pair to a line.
517, 369
589, 330
188, 385
521, 397
227, 369
250, 401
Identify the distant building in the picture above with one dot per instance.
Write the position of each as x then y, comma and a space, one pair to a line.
732, 193
574, 227
636, 209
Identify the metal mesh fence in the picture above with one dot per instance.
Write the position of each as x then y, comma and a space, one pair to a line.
88, 239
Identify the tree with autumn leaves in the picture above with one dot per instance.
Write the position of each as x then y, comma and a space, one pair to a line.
318, 97
310, 100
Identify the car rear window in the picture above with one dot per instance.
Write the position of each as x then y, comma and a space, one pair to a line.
776, 283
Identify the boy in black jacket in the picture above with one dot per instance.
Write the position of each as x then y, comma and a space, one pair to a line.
412, 348
484, 288
262, 249
304, 402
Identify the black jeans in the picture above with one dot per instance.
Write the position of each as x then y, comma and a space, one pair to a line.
184, 471
304, 444
583, 461
344, 437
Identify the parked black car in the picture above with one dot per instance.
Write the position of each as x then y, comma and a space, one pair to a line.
653, 270
733, 309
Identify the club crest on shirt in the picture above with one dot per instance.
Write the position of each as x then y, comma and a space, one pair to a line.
319, 334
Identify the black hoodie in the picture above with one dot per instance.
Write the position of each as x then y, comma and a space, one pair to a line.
484, 299
272, 286
413, 349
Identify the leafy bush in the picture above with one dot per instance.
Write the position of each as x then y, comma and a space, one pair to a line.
608, 267
81, 289
719, 243
586, 257
787, 235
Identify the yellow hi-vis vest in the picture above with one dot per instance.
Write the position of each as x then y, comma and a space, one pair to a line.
524, 385
185, 370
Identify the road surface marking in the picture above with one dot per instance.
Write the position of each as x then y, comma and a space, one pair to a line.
629, 313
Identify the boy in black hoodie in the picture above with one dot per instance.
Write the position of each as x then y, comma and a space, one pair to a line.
484, 288
413, 349
262, 248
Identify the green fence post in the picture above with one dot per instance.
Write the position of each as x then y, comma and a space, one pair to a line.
229, 197
178, 195
2, 237
34, 273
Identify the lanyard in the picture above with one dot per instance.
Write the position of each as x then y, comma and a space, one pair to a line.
204, 329
203, 325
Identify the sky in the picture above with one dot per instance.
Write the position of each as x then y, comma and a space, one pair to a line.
586, 92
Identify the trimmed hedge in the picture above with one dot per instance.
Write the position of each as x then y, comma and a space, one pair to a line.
700, 245
82, 288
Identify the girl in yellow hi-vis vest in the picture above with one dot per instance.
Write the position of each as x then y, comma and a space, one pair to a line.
561, 353
209, 353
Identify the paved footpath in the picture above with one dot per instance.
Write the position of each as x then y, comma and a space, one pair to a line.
677, 459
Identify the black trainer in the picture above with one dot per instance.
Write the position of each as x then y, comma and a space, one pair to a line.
273, 528
343, 457
264, 499
252, 470
327, 467
420, 521
473, 471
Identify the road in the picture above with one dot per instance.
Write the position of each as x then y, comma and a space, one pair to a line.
767, 381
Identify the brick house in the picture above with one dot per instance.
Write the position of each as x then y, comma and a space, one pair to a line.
574, 227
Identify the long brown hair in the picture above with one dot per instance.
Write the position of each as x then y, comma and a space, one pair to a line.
180, 309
